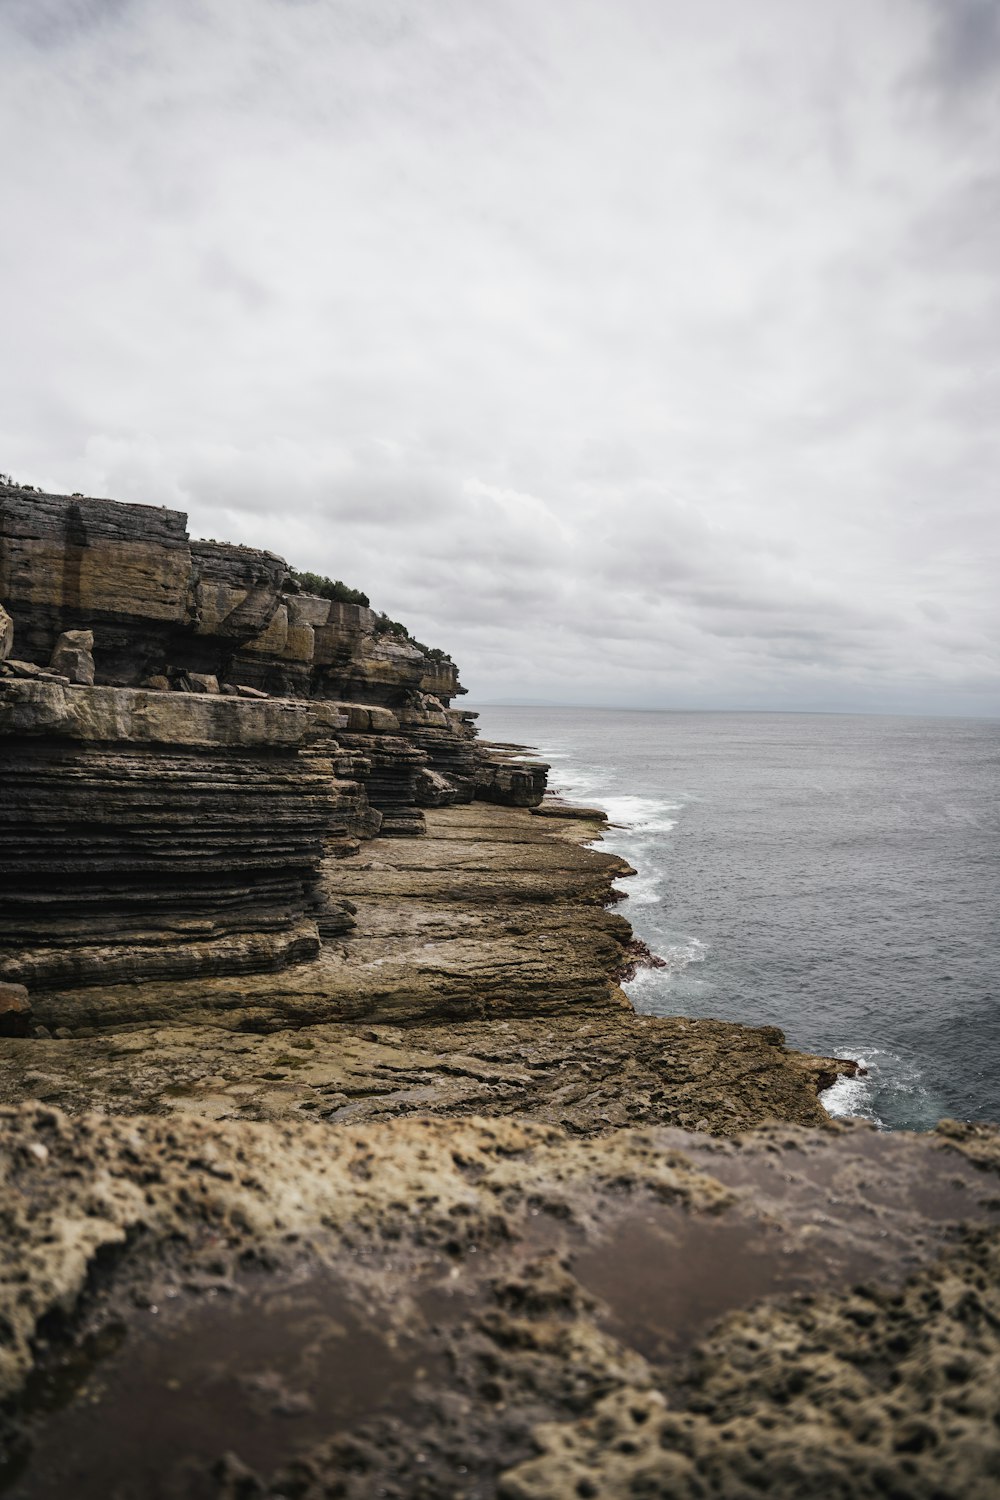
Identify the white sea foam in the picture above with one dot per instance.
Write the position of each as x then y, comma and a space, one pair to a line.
644, 889
575, 785
892, 1084
851, 1097
677, 957
641, 814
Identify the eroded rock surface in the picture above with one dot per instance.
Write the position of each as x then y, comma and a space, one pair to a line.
144, 834
651, 1313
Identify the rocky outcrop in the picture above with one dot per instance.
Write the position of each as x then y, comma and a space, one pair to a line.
381, 1146
144, 849
159, 603
123, 571
505, 775
475, 981
490, 915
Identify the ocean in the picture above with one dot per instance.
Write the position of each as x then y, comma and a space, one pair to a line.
834, 875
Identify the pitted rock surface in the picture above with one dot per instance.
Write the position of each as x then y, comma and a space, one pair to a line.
821, 1310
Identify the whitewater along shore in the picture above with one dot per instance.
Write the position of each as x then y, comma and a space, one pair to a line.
333, 1159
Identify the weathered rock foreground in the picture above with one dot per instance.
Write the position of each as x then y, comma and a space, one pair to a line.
470, 1308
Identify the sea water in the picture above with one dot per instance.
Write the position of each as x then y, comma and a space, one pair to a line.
834, 875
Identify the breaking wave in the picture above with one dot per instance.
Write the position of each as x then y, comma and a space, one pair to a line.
677, 957
891, 1090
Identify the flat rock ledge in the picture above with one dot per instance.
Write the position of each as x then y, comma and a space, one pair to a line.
478, 980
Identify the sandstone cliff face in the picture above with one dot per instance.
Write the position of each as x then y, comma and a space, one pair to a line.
161, 604
187, 737
145, 834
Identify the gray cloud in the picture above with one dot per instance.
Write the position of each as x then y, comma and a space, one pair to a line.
964, 53
633, 352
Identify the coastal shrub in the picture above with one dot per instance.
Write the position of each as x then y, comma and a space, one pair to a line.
328, 588
340, 593
385, 626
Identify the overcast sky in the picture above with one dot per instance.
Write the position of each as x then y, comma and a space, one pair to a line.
635, 351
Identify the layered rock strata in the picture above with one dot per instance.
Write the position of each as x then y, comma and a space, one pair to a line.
477, 980
160, 604
145, 833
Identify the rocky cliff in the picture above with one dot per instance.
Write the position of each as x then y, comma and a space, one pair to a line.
162, 605
333, 1160
187, 737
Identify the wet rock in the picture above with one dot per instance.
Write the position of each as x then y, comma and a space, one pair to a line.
554, 807
646, 1313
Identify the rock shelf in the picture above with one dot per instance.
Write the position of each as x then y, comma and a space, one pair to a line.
477, 979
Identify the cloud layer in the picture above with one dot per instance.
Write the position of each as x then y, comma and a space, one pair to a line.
635, 352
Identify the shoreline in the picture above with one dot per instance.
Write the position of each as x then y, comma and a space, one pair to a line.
558, 803
482, 944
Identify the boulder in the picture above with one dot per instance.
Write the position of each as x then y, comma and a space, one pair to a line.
15, 1010
431, 789
6, 634
203, 682
73, 656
